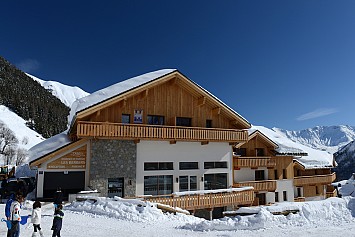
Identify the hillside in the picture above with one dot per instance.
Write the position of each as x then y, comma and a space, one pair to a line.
43, 112
345, 158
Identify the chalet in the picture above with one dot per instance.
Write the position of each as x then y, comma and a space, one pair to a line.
281, 170
153, 134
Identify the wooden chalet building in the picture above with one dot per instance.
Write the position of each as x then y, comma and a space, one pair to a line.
154, 134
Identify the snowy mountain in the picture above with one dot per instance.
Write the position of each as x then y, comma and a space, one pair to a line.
66, 94
328, 138
345, 158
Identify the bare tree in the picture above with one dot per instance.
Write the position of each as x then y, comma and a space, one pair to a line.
21, 155
8, 143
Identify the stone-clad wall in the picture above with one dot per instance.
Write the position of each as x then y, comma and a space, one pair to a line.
113, 159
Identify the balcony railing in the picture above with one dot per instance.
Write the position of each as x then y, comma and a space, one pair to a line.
299, 199
314, 180
202, 201
143, 131
265, 185
254, 162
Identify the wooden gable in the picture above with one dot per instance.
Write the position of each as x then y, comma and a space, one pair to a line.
171, 96
258, 140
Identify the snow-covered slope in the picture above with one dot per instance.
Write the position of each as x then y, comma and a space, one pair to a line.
328, 138
26, 136
66, 94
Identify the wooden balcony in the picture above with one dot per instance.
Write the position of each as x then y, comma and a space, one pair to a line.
265, 185
299, 199
203, 201
314, 180
144, 131
331, 194
253, 162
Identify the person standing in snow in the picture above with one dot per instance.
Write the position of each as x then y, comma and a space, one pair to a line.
15, 216
58, 197
36, 218
57, 221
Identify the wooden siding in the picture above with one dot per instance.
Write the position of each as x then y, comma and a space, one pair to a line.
253, 162
314, 180
169, 99
282, 163
202, 201
139, 131
299, 199
267, 185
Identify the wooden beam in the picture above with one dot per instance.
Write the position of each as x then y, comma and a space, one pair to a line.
204, 143
172, 81
173, 142
201, 101
216, 111
136, 141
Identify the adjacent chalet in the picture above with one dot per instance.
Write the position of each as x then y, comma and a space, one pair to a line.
164, 138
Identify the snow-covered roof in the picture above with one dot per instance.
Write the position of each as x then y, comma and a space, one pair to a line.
48, 146
124, 86
114, 90
313, 159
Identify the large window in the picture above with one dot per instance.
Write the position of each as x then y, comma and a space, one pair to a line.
158, 166
158, 185
215, 181
155, 120
187, 183
181, 121
188, 165
215, 164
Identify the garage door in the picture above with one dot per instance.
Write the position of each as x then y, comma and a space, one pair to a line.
70, 182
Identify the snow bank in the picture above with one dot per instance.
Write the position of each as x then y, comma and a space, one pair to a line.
331, 211
125, 209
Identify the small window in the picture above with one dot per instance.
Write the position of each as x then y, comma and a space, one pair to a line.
259, 175
155, 120
188, 165
241, 151
126, 118
208, 123
158, 166
276, 196
215, 165
259, 152
285, 195
276, 174
299, 193
317, 190
181, 121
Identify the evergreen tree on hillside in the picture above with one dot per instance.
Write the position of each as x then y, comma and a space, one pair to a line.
45, 113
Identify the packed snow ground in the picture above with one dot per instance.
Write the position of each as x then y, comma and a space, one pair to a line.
122, 217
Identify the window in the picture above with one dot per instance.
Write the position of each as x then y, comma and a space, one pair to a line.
259, 152
158, 185
158, 166
188, 165
262, 198
115, 187
276, 196
208, 123
241, 151
125, 118
215, 181
155, 120
276, 174
215, 165
284, 174
185, 122
187, 183
285, 195
317, 190
299, 193
259, 175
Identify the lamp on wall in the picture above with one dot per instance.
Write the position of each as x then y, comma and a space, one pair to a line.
177, 179
201, 178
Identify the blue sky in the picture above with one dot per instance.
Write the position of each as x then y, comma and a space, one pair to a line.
287, 64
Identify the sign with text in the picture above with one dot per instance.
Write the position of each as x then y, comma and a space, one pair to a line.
73, 160
138, 116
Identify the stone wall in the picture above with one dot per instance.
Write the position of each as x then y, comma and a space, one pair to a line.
113, 159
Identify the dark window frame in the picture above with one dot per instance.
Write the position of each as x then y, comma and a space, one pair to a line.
183, 121
185, 165
215, 165
149, 166
126, 115
155, 119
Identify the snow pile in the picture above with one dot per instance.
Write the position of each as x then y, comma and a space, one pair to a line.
332, 211
124, 209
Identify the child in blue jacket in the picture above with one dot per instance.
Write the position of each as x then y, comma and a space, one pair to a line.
57, 221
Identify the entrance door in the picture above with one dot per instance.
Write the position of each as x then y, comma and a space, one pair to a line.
115, 187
